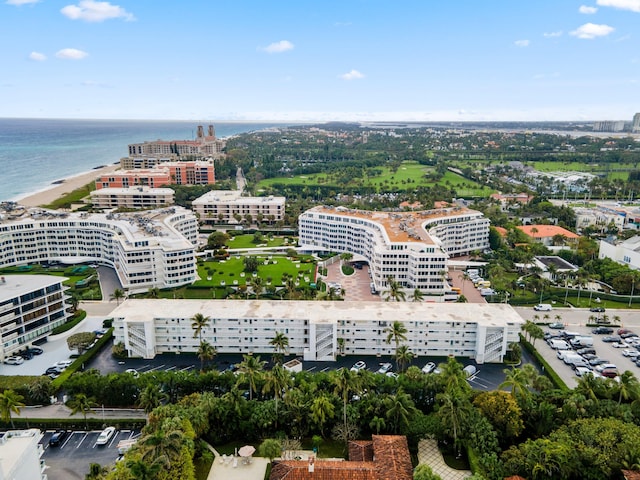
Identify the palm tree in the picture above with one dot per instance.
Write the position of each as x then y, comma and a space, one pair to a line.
453, 412
404, 356
161, 443
256, 285
151, 397
394, 292
206, 351
117, 295
10, 402
396, 332
251, 369
322, 410
628, 387
377, 424
74, 301
198, 323
399, 409
80, 403
345, 382
153, 293
277, 380
417, 295
280, 342
142, 470
517, 380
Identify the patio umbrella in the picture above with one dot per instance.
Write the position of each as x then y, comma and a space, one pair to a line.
246, 451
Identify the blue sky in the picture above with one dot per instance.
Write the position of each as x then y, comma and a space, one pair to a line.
306, 60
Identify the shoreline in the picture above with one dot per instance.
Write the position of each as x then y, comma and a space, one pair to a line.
61, 187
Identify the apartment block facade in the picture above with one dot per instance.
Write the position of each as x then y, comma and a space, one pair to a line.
397, 244
172, 173
149, 249
30, 307
20, 455
132, 197
226, 206
204, 145
318, 331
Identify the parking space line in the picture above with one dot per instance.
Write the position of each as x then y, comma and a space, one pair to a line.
186, 368
85, 436
155, 368
325, 369
67, 441
113, 440
170, 368
311, 369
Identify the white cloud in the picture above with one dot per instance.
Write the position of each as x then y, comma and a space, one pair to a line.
342, 24
633, 5
522, 43
587, 10
278, 47
71, 54
592, 30
37, 56
352, 75
552, 34
92, 11
20, 2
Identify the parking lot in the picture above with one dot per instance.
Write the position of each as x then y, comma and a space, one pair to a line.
71, 459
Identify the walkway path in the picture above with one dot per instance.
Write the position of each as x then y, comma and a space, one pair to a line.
232, 468
429, 453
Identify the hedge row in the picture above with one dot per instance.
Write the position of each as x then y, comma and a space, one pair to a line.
75, 320
75, 423
550, 372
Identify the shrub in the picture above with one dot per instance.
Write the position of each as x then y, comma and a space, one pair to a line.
75, 320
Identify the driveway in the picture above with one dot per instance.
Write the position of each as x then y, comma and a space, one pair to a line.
356, 287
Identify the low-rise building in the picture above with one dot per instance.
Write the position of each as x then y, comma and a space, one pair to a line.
317, 331
204, 145
171, 173
626, 252
410, 247
549, 235
229, 206
604, 218
132, 197
146, 161
20, 453
148, 249
30, 307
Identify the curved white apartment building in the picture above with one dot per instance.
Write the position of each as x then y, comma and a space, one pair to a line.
154, 248
397, 244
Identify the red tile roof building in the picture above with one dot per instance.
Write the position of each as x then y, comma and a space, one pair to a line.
171, 173
545, 233
385, 457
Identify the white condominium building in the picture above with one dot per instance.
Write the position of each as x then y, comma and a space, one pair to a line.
30, 307
146, 162
204, 145
227, 206
20, 453
396, 244
153, 248
316, 330
132, 197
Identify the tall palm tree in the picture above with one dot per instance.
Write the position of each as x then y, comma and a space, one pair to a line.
453, 412
628, 387
151, 397
198, 323
345, 382
206, 351
396, 332
377, 424
10, 402
394, 291
80, 403
280, 342
417, 295
161, 443
256, 285
322, 410
117, 295
517, 380
251, 369
277, 380
142, 470
400, 409
404, 356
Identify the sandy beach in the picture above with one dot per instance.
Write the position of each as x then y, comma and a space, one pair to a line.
68, 185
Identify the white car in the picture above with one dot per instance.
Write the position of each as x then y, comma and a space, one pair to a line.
620, 345
429, 367
63, 363
360, 365
606, 366
105, 436
14, 360
385, 368
630, 353
581, 371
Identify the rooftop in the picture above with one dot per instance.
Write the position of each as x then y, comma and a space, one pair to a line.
12, 286
399, 226
234, 196
12, 447
559, 262
329, 312
546, 231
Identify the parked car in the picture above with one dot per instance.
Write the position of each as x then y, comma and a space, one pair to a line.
391, 375
606, 366
35, 350
360, 365
629, 335
586, 350
105, 436
26, 355
609, 373
597, 309
543, 307
597, 361
63, 363
611, 339
630, 353
57, 438
14, 360
623, 330
133, 372
384, 368
602, 330
589, 356
581, 371
556, 325
620, 344
429, 367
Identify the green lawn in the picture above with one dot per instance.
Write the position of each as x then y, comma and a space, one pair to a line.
409, 176
246, 241
231, 273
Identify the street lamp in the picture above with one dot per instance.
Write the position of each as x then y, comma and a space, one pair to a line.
633, 284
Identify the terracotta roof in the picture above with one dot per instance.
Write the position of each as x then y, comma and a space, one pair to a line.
387, 458
631, 474
546, 231
502, 231
515, 477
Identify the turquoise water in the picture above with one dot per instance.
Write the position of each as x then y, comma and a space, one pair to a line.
34, 153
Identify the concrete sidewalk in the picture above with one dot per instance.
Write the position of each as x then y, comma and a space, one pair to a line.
59, 410
429, 453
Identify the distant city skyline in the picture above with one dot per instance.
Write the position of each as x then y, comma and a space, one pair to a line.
349, 60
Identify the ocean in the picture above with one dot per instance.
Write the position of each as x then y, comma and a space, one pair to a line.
35, 153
